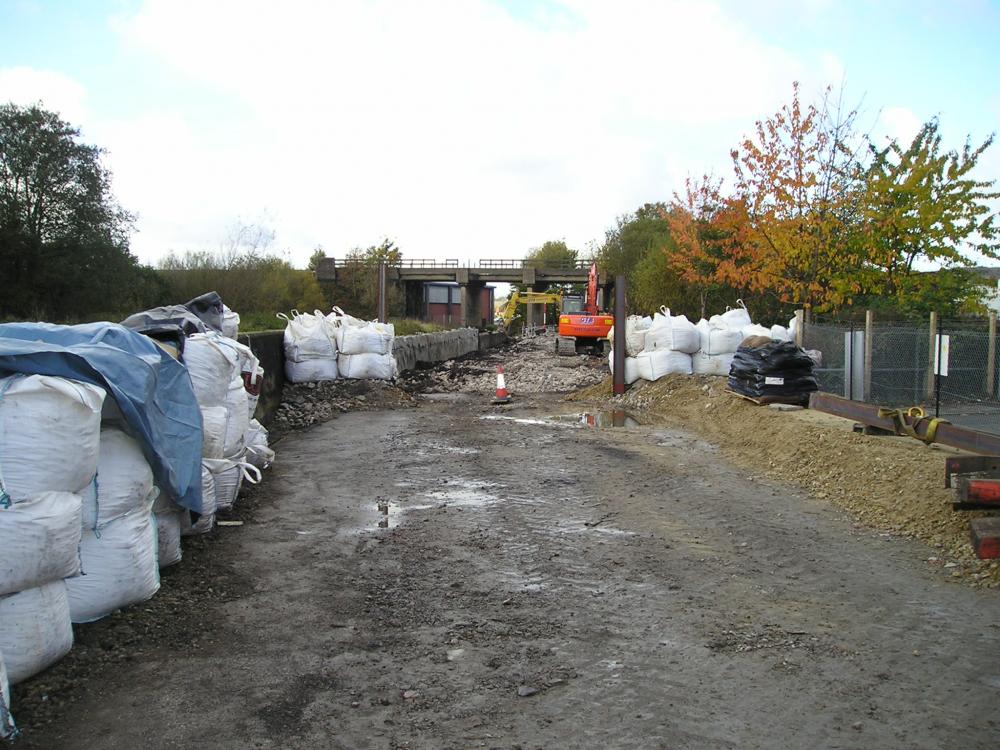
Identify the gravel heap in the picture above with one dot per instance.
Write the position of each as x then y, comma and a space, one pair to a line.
530, 364
305, 404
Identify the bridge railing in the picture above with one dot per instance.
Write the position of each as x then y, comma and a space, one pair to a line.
490, 263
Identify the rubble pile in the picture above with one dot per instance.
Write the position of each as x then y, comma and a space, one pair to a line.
305, 404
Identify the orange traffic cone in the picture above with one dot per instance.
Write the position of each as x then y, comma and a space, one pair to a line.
502, 396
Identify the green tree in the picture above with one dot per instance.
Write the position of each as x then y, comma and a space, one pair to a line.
356, 288
64, 238
922, 204
552, 254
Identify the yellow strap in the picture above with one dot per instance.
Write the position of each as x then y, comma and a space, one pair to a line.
918, 415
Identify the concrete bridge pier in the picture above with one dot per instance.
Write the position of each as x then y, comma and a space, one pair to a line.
469, 296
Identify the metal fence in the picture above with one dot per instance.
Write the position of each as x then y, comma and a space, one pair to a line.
894, 364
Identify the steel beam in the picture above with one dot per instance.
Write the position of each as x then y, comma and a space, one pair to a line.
947, 434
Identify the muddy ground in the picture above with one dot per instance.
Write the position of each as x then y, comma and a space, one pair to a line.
459, 575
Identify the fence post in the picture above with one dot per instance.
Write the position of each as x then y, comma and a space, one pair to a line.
869, 341
929, 389
800, 328
991, 356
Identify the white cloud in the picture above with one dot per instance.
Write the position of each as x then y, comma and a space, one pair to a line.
56, 91
451, 126
898, 123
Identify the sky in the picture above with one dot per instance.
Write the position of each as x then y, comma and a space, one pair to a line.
467, 129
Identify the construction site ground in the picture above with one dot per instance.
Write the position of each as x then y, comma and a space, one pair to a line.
428, 570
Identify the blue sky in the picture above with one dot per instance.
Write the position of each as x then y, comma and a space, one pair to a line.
465, 128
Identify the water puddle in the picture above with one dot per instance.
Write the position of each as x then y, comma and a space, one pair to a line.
390, 513
464, 493
601, 419
517, 420
429, 448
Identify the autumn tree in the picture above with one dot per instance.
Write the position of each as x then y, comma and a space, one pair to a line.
796, 177
356, 288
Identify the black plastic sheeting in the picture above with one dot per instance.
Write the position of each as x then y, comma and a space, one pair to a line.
778, 369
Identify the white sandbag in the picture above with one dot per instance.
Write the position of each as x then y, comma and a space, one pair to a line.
8, 730
311, 370
779, 333
308, 337
733, 317
124, 481
674, 332
793, 328
653, 365
206, 520
711, 364
631, 368
168, 536
372, 338
214, 420
718, 340
39, 541
237, 419
228, 476
230, 323
211, 363
755, 330
49, 434
35, 629
635, 334
119, 566
258, 452
360, 366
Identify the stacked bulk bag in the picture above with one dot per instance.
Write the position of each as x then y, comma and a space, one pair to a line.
49, 447
310, 347
230, 323
118, 551
39, 540
8, 730
365, 347
227, 479
673, 332
35, 629
636, 327
631, 368
206, 519
167, 518
711, 364
774, 371
654, 364
258, 452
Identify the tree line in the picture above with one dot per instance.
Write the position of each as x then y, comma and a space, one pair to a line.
815, 215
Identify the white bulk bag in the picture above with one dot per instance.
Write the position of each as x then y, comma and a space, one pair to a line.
168, 536
635, 334
674, 332
211, 363
372, 338
258, 452
733, 317
361, 366
711, 364
124, 481
214, 420
779, 333
49, 434
206, 520
311, 370
755, 330
35, 629
308, 337
237, 418
230, 323
631, 368
119, 566
718, 340
228, 476
653, 365
39, 541
8, 730
793, 328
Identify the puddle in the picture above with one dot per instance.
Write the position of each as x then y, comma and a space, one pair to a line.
389, 514
428, 448
464, 494
518, 420
601, 419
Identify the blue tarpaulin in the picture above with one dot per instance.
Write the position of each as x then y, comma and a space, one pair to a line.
152, 389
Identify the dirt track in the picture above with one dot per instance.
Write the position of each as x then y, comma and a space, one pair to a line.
565, 587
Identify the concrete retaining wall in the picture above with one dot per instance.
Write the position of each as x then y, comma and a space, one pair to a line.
428, 348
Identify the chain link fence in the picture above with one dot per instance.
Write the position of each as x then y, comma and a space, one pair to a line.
898, 368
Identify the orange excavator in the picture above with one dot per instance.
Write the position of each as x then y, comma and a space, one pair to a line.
582, 327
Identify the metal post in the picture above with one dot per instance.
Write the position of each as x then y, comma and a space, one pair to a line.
929, 386
383, 315
619, 354
800, 328
937, 373
991, 357
869, 341
849, 362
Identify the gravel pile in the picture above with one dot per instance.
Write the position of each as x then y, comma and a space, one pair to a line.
305, 404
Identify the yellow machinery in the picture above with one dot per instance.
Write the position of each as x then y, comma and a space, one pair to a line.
526, 298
